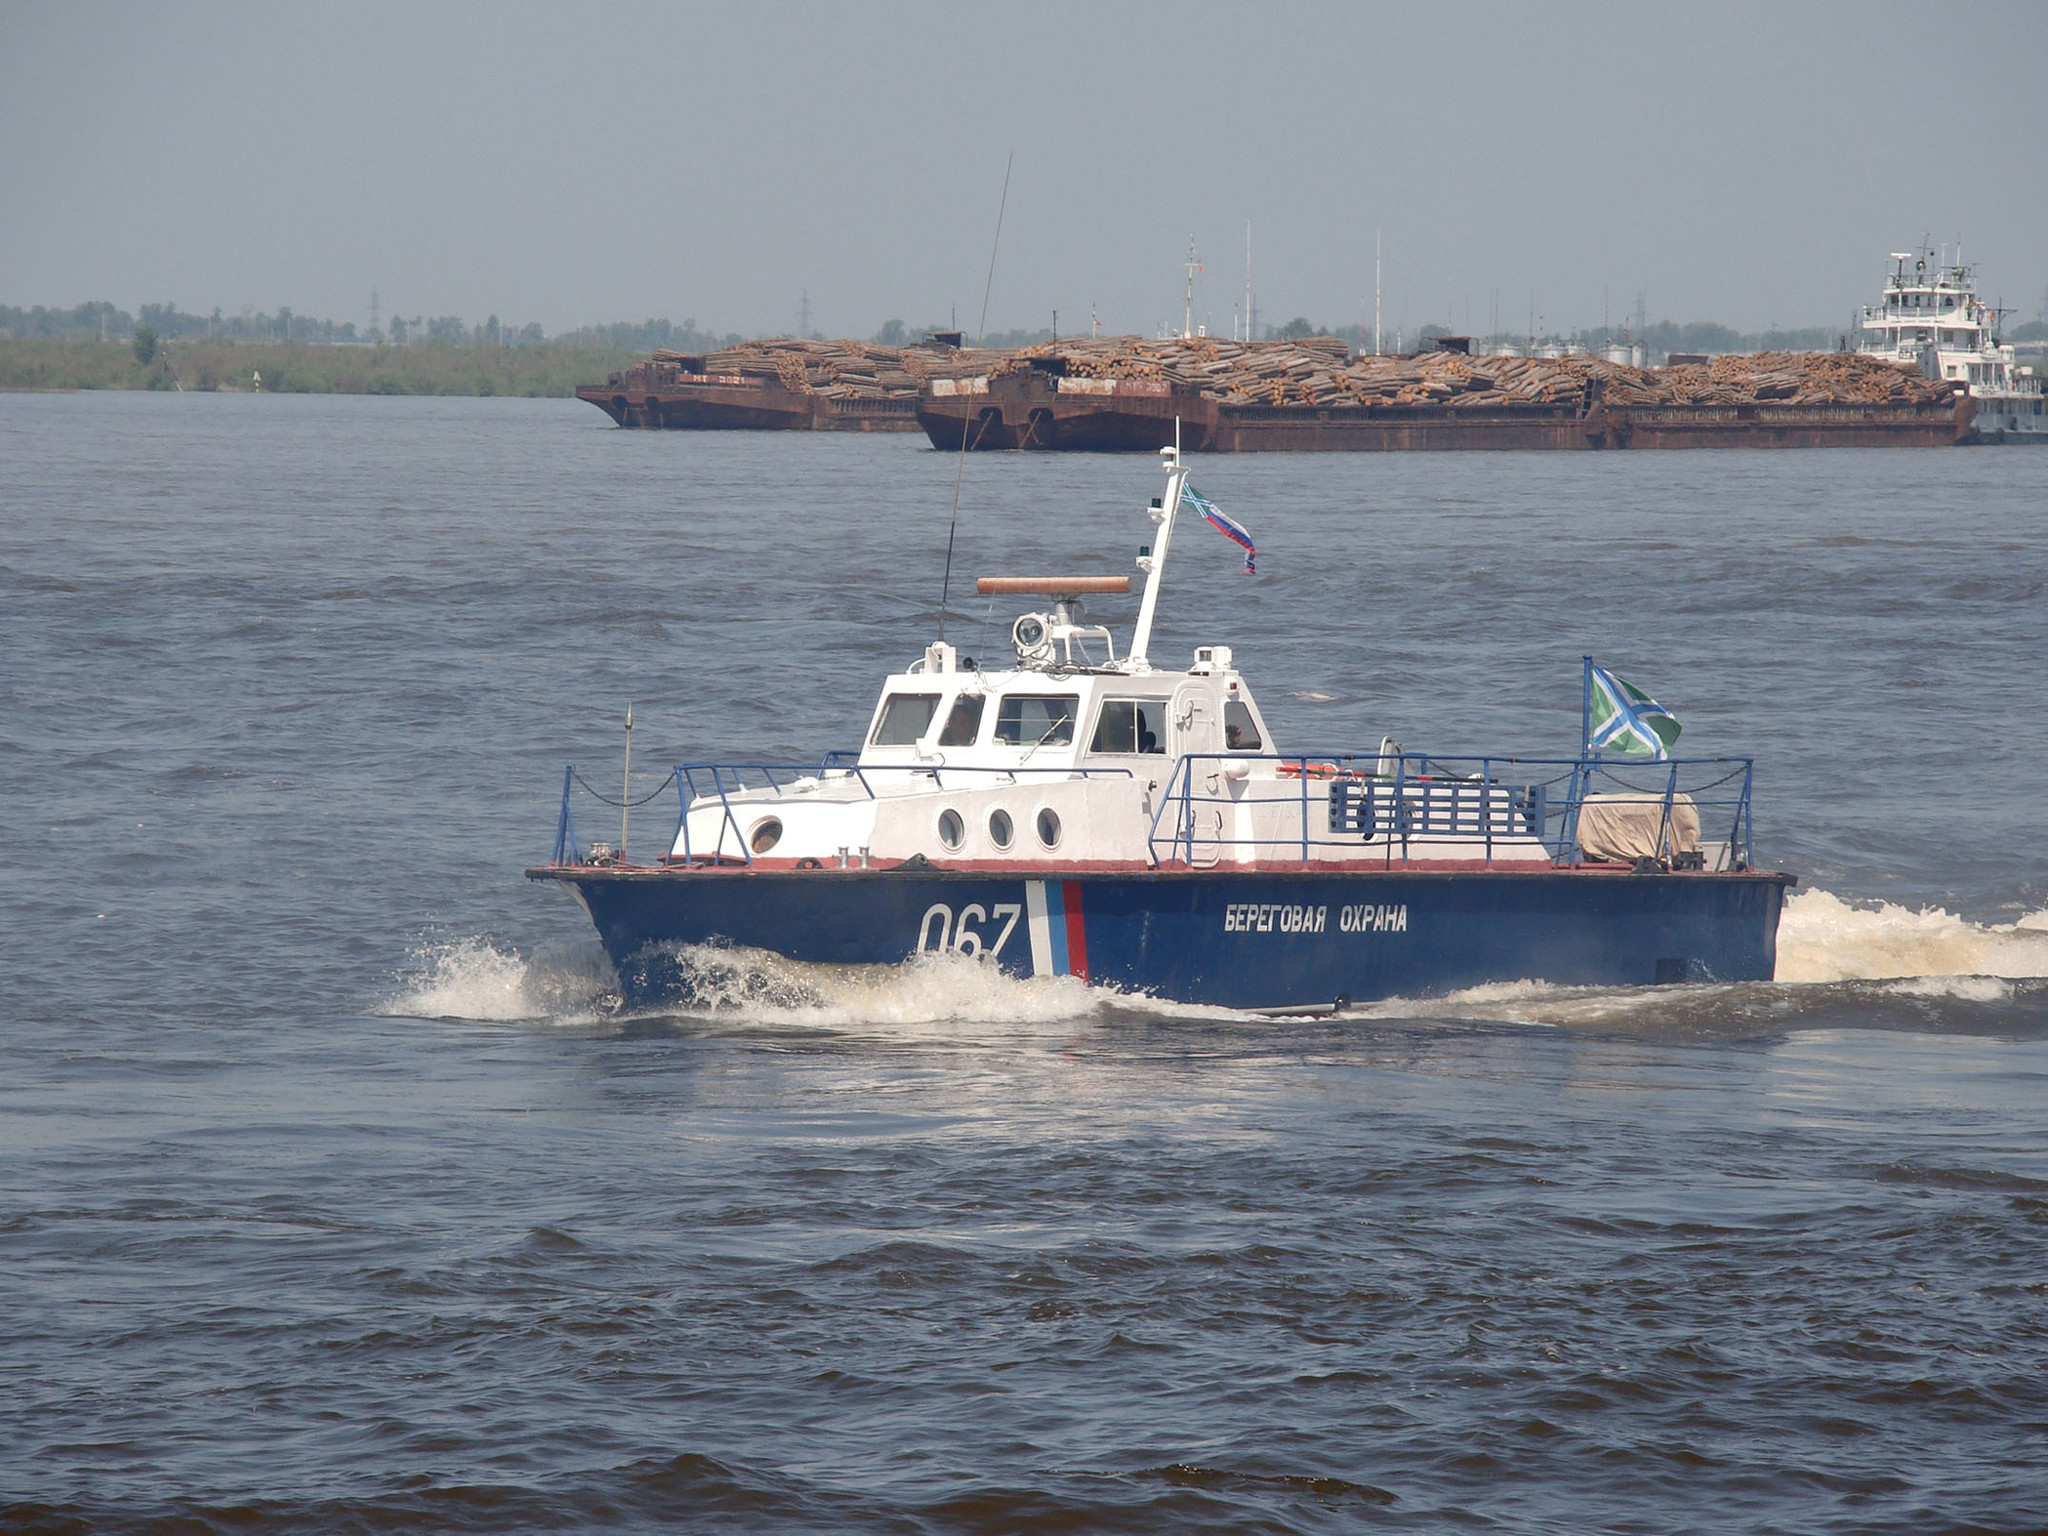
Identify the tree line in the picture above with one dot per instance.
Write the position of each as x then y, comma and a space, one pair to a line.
167, 322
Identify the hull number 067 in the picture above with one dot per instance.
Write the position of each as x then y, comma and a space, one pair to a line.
976, 931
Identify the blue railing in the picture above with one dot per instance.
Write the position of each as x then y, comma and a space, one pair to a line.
1342, 800
566, 851
697, 783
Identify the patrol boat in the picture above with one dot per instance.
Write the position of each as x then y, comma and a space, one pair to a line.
1081, 812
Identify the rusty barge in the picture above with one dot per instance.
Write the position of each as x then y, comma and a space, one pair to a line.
783, 385
1126, 393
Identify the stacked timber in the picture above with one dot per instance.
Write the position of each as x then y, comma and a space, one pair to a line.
1801, 378
1317, 372
837, 370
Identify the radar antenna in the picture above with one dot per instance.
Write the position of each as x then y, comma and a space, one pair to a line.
953, 527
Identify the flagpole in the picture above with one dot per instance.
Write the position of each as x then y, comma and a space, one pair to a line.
1586, 709
1154, 564
1582, 776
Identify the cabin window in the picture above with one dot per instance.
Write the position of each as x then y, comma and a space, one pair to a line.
999, 829
952, 831
1037, 719
1240, 730
963, 721
1130, 726
766, 834
905, 718
1049, 826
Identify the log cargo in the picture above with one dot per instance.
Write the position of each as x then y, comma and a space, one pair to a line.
1244, 396
1128, 392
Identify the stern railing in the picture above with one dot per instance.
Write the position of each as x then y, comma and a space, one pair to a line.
1288, 806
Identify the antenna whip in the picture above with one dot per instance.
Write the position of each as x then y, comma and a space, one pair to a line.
946, 585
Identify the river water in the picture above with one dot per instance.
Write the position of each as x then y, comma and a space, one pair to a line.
328, 1201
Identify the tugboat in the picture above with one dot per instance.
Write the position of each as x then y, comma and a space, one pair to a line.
1935, 321
1080, 812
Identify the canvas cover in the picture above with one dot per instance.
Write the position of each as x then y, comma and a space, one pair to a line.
1625, 827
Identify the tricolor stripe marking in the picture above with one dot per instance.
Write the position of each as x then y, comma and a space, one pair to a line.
1059, 938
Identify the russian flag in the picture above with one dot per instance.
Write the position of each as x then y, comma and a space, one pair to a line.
1228, 527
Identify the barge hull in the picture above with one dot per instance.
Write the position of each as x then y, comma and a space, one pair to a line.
1250, 939
1032, 419
747, 409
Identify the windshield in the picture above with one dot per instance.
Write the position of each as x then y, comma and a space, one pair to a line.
905, 718
1037, 719
1129, 725
963, 721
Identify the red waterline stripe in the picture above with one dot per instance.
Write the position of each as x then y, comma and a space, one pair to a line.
1077, 933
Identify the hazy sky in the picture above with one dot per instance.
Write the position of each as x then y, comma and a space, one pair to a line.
566, 163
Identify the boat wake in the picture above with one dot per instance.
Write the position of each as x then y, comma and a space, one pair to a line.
1837, 962
1840, 965
576, 985
474, 978
1824, 938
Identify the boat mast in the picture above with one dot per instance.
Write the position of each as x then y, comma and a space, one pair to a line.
626, 790
1155, 563
1375, 293
1248, 280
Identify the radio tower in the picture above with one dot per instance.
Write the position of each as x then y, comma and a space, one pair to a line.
373, 309
1194, 265
803, 317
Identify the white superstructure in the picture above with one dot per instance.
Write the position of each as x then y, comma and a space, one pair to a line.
1075, 756
1932, 318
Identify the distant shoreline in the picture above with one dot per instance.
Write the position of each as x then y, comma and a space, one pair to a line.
548, 370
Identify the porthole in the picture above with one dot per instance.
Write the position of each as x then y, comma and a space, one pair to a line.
952, 830
1049, 826
767, 833
999, 829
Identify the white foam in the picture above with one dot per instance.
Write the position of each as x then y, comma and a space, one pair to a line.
473, 978
1823, 938
1969, 989
1541, 1004
759, 987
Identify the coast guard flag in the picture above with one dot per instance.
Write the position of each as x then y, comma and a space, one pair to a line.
1620, 717
1229, 528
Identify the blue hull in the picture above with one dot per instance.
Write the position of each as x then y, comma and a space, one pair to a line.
1233, 939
